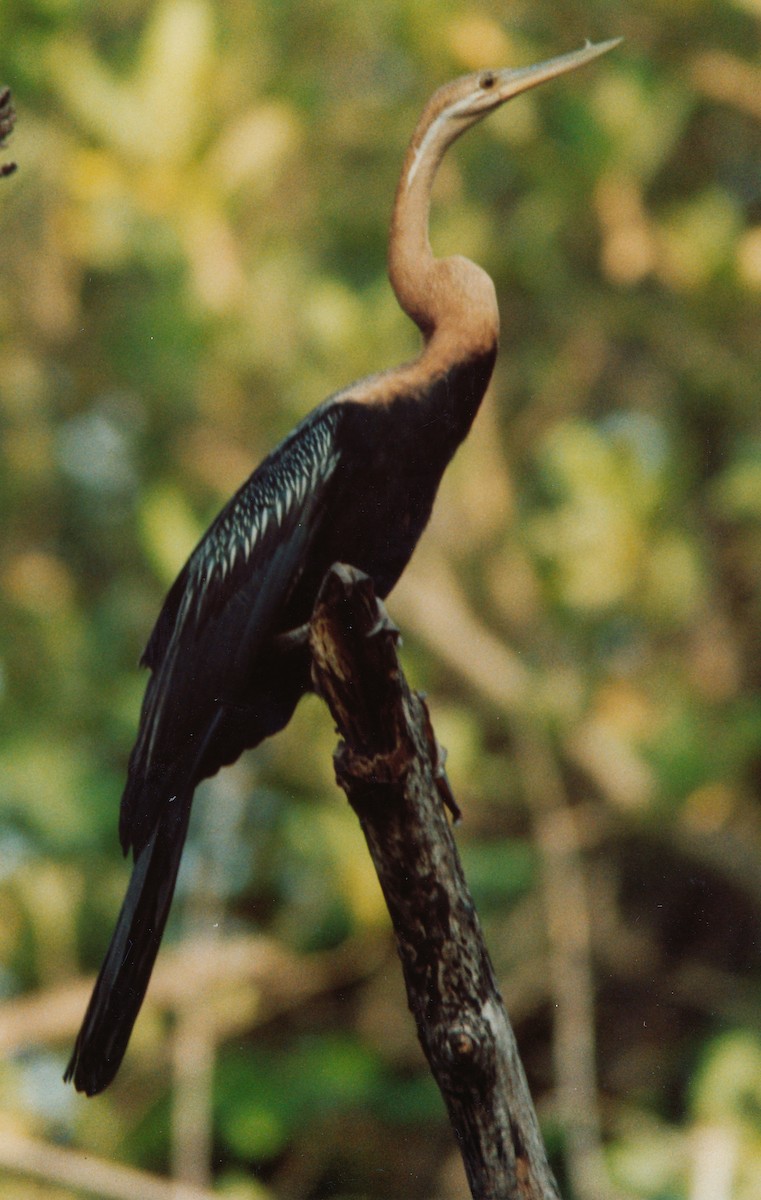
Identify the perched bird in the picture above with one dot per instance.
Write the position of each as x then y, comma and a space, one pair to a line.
354, 482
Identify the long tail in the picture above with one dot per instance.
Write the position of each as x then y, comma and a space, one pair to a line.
126, 970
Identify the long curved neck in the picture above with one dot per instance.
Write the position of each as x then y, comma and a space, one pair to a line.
450, 300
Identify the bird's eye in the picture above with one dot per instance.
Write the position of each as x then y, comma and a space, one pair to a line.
488, 79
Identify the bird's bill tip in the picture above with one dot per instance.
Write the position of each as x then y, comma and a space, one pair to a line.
513, 81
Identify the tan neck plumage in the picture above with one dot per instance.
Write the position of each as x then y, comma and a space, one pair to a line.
451, 300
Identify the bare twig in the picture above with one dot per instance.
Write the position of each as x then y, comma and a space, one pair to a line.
566, 902
434, 606
194, 1044
88, 1174
282, 981
388, 765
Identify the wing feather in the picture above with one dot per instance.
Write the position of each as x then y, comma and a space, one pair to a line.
221, 611
267, 507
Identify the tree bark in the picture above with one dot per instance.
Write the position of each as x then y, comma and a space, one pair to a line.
391, 768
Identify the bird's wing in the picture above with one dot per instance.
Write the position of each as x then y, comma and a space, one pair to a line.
265, 511
221, 610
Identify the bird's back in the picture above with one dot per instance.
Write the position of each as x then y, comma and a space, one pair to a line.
355, 482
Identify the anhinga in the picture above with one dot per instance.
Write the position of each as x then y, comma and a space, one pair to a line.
354, 482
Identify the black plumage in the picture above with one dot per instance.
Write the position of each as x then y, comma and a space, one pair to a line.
344, 486
355, 482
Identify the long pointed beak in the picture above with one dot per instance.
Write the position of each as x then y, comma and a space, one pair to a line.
511, 82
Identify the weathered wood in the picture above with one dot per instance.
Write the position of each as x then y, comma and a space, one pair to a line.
390, 767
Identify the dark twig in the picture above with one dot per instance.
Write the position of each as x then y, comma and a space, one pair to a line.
388, 764
7, 121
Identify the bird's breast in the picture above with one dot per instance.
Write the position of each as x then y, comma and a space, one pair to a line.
395, 454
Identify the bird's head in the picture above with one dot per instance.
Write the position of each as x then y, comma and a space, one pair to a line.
460, 104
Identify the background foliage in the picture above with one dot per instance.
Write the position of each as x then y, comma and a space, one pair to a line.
192, 256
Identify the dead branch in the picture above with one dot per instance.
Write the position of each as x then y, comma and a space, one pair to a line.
280, 980
86, 1173
434, 605
389, 765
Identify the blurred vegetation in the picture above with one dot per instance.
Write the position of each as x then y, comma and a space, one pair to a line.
192, 256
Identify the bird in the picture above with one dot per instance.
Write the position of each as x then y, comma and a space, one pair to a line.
354, 482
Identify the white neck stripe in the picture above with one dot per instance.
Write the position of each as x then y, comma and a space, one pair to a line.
432, 133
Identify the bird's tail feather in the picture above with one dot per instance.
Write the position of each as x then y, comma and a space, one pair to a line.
126, 970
